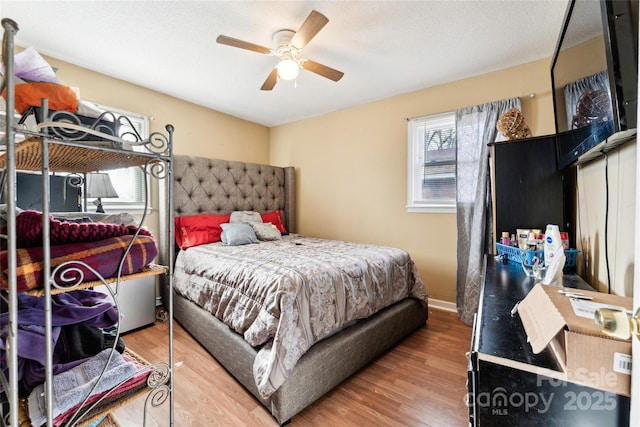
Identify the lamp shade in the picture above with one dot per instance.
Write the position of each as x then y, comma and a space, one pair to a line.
99, 186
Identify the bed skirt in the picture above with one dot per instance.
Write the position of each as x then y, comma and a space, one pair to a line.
323, 367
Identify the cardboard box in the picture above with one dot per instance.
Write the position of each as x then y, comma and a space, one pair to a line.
567, 327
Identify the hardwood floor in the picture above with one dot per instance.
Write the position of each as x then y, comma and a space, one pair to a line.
420, 382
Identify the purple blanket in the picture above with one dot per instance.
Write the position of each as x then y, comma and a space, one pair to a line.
89, 307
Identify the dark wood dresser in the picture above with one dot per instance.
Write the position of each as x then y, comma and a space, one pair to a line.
508, 384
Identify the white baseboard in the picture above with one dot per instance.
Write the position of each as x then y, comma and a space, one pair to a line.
442, 305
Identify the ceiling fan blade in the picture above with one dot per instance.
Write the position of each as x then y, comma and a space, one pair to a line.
309, 28
230, 41
321, 70
271, 81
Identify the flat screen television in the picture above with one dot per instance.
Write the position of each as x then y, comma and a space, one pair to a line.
594, 76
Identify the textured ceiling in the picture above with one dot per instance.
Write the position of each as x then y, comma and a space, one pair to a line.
384, 48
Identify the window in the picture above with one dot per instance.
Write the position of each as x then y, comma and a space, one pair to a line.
128, 182
432, 164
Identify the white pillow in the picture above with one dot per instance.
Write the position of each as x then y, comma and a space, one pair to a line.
89, 109
29, 65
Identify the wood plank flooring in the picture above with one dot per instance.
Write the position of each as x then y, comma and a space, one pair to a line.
420, 382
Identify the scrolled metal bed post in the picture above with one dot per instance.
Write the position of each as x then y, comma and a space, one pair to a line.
10, 29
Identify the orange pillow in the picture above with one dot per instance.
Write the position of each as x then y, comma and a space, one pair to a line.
274, 218
197, 230
60, 97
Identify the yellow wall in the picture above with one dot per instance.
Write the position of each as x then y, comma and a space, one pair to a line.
199, 131
351, 167
350, 164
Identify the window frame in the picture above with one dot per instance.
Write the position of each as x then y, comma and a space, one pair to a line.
138, 206
415, 167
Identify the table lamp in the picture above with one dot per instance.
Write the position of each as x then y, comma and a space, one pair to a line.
99, 187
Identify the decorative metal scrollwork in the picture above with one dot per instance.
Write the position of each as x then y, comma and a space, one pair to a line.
67, 125
156, 169
74, 180
158, 380
70, 274
159, 376
156, 398
119, 130
158, 143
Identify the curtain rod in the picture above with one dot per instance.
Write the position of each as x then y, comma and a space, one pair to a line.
408, 119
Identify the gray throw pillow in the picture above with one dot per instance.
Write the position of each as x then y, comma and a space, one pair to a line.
237, 234
266, 231
244, 217
123, 218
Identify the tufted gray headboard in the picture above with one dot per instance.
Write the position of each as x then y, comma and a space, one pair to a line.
215, 186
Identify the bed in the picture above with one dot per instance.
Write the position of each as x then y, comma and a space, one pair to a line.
218, 187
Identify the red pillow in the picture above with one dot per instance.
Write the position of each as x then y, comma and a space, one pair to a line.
197, 230
275, 219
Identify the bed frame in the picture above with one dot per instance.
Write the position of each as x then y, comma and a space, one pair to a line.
219, 187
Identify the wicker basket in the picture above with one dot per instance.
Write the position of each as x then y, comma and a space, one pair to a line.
511, 125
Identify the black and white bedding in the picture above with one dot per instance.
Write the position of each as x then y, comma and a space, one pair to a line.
285, 295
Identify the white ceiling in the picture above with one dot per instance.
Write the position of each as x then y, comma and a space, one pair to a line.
385, 48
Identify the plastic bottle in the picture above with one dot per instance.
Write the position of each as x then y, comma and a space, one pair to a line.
505, 240
554, 257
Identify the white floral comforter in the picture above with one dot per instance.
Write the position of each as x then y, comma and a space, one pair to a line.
289, 294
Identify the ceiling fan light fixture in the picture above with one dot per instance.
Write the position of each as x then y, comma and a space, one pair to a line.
287, 44
288, 69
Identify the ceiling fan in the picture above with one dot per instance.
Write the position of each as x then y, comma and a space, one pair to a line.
287, 46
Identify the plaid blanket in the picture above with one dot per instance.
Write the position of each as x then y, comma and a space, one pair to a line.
103, 256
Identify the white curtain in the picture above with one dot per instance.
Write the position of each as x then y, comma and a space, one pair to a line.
574, 90
475, 128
